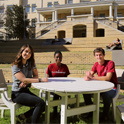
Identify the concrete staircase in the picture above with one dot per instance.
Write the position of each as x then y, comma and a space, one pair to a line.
78, 50
78, 44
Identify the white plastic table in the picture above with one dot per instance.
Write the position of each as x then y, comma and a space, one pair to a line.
67, 86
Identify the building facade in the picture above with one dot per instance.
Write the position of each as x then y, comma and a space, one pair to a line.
70, 18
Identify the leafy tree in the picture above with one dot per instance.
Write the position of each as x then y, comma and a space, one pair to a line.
14, 22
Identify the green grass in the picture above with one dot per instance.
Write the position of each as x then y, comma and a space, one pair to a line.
70, 66
5, 65
71, 120
81, 119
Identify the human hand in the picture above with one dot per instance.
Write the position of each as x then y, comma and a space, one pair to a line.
22, 85
86, 78
44, 79
88, 74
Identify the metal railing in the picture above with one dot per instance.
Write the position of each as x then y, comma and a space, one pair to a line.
113, 24
108, 22
48, 28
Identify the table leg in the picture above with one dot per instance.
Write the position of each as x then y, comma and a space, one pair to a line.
64, 110
47, 108
96, 113
77, 101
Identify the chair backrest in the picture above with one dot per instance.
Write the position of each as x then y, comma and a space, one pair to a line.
117, 92
121, 41
120, 77
120, 46
3, 82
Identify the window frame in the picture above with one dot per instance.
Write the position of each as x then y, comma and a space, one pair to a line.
70, 1
119, 14
49, 4
10, 6
33, 22
28, 8
56, 3
33, 7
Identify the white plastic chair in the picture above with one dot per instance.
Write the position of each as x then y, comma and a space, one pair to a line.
118, 97
5, 101
114, 100
120, 114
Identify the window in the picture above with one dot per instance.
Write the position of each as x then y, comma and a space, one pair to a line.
10, 6
56, 3
33, 36
28, 20
70, 1
102, 15
27, 8
49, 4
33, 21
49, 19
1, 25
119, 14
1, 36
33, 7
1, 9
84, 1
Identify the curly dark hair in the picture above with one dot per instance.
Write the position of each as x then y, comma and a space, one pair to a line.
56, 52
18, 59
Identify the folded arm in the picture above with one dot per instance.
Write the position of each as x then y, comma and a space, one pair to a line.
90, 76
104, 78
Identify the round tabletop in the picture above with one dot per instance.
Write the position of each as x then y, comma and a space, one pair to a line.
73, 85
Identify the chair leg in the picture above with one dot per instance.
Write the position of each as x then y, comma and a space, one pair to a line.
118, 117
2, 113
13, 117
114, 110
40, 93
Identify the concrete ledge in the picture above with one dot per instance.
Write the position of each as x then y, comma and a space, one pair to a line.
118, 57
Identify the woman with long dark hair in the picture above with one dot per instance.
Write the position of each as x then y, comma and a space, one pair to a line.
24, 73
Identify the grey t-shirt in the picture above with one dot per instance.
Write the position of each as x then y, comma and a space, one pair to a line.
25, 70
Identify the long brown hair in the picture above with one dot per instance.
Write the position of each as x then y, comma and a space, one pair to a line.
18, 59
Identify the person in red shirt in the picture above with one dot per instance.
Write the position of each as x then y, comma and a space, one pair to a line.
57, 69
105, 70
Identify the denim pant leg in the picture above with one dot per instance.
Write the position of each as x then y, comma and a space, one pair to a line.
29, 99
107, 100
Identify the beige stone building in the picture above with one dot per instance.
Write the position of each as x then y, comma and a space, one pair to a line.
71, 18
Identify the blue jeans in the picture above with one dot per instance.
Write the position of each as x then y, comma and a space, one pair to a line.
27, 98
107, 100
